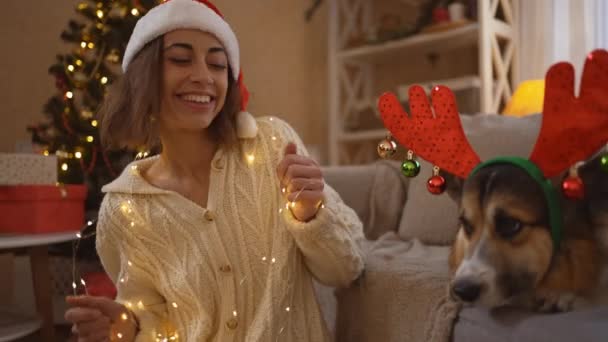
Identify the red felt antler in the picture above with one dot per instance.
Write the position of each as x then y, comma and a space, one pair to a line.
439, 139
573, 128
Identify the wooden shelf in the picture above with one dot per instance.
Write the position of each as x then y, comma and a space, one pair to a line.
357, 72
423, 43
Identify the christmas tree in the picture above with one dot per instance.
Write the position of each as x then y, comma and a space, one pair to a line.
82, 77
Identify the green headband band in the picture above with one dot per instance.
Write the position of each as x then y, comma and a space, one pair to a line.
551, 195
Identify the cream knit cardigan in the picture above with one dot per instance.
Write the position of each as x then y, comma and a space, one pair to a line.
240, 269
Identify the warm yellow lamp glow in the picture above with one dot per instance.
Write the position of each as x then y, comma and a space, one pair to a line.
527, 99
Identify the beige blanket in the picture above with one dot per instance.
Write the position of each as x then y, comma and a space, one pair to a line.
401, 297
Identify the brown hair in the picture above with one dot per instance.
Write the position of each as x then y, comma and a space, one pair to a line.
127, 113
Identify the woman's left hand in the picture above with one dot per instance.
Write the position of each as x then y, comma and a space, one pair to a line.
301, 182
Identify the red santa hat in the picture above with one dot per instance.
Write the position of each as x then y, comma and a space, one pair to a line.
194, 14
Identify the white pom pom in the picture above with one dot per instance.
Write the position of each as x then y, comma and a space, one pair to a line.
246, 127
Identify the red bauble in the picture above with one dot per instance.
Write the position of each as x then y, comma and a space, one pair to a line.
436, 185
60, 83
573, 188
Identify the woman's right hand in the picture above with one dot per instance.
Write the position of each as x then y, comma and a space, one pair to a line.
96, 319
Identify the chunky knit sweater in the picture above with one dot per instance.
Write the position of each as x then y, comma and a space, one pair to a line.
240, 269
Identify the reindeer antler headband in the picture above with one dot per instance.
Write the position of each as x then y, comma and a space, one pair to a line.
572, 129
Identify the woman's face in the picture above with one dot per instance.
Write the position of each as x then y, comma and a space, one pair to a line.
195, 80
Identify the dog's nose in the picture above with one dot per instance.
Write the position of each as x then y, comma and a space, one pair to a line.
466, 290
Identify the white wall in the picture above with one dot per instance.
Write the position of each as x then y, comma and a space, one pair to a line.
559, 30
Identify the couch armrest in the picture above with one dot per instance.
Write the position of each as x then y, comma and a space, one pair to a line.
376, 192
402, 296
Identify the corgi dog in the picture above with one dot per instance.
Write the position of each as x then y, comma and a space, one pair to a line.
525, 238
503, 253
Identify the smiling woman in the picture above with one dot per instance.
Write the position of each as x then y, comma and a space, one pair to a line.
218, 237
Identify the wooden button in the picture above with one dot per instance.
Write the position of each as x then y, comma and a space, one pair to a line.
218, 164
226, 268
232, 324
209, 215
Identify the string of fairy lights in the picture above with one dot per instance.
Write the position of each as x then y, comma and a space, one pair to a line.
135, 306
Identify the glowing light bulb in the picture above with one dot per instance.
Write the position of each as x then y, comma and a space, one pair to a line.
78, 155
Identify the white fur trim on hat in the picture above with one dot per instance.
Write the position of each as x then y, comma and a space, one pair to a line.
182, 14
246, 126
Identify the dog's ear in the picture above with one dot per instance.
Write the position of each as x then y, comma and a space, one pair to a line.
453, 184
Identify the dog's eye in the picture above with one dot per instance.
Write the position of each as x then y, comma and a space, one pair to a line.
507, 227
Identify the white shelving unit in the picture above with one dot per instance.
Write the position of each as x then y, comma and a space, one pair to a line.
352, 70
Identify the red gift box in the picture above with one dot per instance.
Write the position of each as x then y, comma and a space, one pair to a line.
35, 209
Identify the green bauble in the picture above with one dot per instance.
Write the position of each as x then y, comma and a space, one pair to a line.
604, 163
410, 168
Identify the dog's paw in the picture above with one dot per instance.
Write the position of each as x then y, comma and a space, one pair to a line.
559, 301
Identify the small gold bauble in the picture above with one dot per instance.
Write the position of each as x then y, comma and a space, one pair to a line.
86, 113
386, 148
118, 11
113, 56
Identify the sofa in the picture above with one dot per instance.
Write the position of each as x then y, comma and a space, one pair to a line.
402, 294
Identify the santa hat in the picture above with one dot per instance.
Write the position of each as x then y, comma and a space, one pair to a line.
193, 14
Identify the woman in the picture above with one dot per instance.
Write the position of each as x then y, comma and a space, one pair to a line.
217, 238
